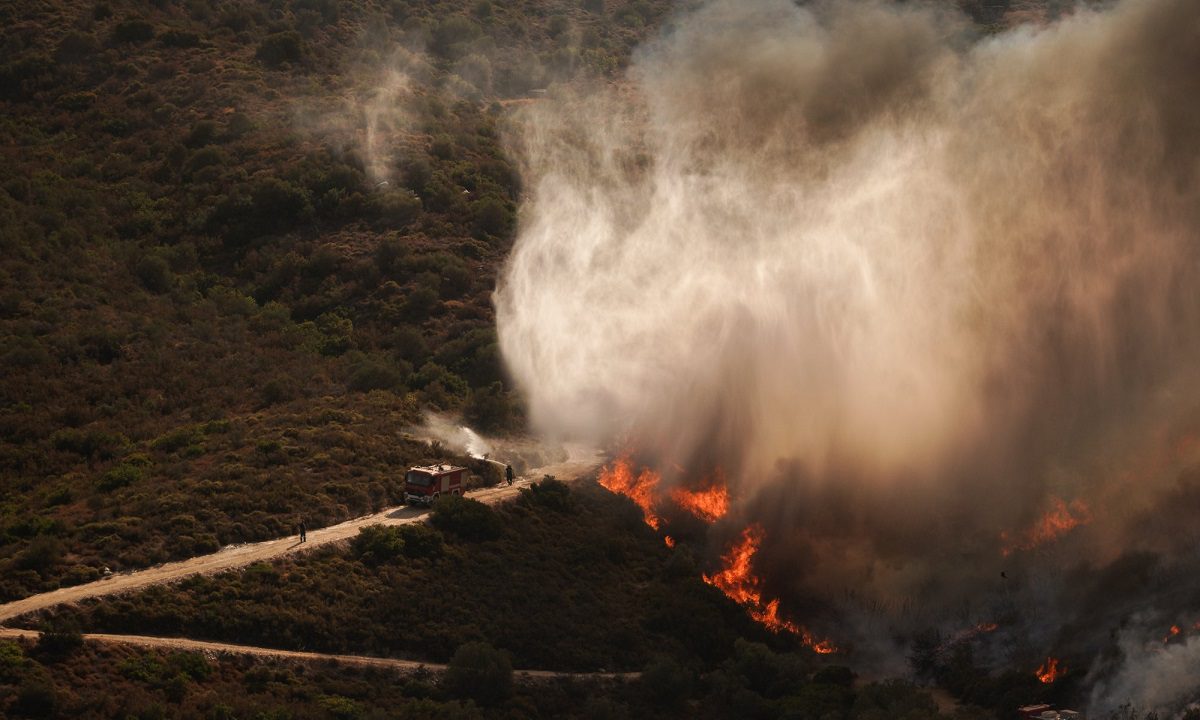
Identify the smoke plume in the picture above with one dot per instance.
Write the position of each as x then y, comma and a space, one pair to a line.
909, 288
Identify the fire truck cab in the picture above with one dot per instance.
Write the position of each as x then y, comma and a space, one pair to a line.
424, 485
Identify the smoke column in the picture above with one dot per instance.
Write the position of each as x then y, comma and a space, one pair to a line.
902, 283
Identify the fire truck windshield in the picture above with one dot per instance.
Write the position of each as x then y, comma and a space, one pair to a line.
419, 479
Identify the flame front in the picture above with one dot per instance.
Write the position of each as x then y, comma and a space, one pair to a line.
640, 488
1174, 631
1061, 519
1050, 670
736, 579
710, 503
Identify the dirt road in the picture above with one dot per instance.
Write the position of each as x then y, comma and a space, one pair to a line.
235, 556
214, 649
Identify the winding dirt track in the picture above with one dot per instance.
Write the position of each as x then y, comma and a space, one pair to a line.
214, 649
235, 556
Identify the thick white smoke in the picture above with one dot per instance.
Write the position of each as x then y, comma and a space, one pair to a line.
902, 283
844, 231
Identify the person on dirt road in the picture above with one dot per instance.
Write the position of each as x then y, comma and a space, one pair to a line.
508, 473
303, 534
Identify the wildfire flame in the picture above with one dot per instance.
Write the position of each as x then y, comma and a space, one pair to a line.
737, 580
1061, 519
1050, 670
640, 488
670, 541
710, 503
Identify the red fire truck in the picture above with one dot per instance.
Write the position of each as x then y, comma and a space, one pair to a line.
423, 485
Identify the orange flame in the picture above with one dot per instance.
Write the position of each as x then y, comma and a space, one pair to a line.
710, 503
1050, 670
737, 581
639, 488
1061, 518
1175, 630
670, 541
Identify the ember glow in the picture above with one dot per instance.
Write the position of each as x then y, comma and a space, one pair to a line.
1061, 519
1173, 632
737, 580
639, 488
1050, 670
709, 504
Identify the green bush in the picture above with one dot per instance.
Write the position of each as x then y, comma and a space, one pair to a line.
42, 554
377, 544
468, 519
36, 698
665, 682
421, 541
267, 206
76, 47
480, 672
549, 493
91, 444
438, 382
180, 39
489, 408
120, 476
202, 133
12, 661
376, 375
59, 640
451, 34
395, 208
77, 101
154, 274
133, 31
176, 439
492, 216
276, 49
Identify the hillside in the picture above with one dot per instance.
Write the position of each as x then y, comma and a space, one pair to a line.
243, 245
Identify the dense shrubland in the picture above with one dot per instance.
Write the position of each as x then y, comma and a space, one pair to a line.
575, 581
218, 300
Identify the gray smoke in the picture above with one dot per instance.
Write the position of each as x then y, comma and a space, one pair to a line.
1153, 673
903, 284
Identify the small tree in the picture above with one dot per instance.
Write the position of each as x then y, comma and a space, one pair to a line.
480, 672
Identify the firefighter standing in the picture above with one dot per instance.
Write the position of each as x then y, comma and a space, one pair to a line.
508, 473
303, 534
